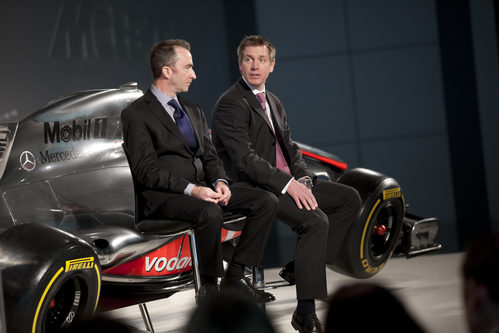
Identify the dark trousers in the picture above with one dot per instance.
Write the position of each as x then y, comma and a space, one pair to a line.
259, 207
319, 232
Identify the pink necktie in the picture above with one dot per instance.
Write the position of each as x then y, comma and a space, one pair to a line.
280, 161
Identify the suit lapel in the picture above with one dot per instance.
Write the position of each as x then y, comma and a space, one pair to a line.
159, 111
277, 121
253, 102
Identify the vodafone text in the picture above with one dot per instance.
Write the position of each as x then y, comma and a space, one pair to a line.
162, 263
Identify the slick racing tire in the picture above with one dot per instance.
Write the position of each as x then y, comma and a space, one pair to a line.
51, 279
371, 240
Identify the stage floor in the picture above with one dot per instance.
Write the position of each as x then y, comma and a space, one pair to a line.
429, 286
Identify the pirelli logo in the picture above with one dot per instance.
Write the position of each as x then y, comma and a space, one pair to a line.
392, 193
79, 264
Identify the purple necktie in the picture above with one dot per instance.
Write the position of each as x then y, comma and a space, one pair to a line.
184, 125
280, 161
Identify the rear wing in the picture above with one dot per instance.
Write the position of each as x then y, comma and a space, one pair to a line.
7, 135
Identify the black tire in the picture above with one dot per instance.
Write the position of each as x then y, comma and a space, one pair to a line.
371, 240
52, 278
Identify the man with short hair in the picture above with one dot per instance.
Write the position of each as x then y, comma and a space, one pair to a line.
180, 176
481, 284
251, 134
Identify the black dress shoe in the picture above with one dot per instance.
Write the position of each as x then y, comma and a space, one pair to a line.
306, 324
245, 287
288, 272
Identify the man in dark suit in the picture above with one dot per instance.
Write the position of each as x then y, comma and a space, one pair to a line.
250, 132
181, 177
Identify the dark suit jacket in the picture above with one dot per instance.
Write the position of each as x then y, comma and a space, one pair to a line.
161, 161
245, 141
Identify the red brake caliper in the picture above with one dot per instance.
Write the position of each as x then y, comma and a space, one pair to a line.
381, 230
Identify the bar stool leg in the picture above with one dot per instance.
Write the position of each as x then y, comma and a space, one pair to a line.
146, 317
259, 281
258, 278
195, 264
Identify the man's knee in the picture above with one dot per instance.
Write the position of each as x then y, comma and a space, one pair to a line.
261, 202
269, 200
348, 197
210, 216
318, 223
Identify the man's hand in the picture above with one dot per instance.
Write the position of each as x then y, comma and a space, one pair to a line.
302, 195
205, 193
222, 189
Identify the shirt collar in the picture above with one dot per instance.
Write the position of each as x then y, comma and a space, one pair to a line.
161, 96
253, 89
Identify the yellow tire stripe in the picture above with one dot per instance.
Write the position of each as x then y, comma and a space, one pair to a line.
365, 228
98, 287
403, 207
43, 297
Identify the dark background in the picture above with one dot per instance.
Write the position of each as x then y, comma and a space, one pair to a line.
406, 87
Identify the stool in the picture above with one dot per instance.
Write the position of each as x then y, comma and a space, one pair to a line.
168, 228
159, 228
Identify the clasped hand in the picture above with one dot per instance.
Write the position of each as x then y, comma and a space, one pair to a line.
221, 194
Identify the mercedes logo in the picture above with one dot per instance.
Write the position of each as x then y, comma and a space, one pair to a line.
27, 160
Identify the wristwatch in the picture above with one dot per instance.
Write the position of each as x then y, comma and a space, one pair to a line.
307, 181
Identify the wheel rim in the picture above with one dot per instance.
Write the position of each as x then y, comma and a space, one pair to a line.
64, 305
382, 233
